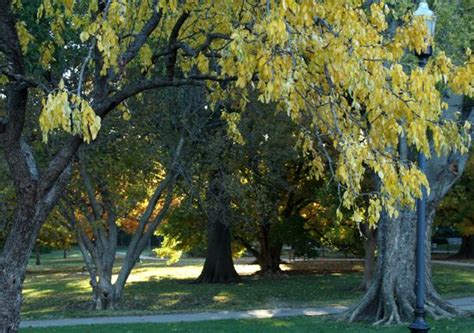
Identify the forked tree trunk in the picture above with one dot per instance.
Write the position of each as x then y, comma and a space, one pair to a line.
219, 265
269, 257
466, 251
104, 294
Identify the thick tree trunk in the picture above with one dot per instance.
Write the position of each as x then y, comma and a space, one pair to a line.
390, 298
219, 266
13, 263
270, 252
11, 281
466, 251
105, 294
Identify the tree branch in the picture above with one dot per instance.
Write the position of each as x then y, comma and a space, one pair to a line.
25, 81
142, 37
173, 45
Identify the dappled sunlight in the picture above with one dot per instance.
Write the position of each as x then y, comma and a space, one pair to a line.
247, 269
156, 273
31, 292
222, 297
281, 323
63, 290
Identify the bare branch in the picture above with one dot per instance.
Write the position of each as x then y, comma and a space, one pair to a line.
173, 45
136, 87
86, 179
25, 81
142, 37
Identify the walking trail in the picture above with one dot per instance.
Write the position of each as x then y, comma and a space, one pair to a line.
466, 304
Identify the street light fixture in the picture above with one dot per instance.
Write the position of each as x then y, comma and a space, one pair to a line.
419, 324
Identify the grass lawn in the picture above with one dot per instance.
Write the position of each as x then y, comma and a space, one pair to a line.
59, 288
294, 324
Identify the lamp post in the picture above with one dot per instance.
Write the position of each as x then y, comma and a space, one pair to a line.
419, 324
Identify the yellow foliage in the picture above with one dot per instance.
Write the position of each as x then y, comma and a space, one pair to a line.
332, 66
75, 116
23, 34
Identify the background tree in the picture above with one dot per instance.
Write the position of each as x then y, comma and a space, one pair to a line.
124, 178
454, 212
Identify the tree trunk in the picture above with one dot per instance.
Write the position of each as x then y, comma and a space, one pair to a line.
11, 281
13, 262
104, 294
370, 245
466, 251
270, 252
219, 266
390, 298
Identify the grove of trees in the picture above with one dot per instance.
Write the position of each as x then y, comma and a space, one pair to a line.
230, 126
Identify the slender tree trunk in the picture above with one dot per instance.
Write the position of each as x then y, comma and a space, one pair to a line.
38, 255
219, 266
466, 251
390, 298
370, 245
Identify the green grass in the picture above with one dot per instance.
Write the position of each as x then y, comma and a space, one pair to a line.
294, 324
59, 289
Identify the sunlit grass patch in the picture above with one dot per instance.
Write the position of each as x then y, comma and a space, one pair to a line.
154, 287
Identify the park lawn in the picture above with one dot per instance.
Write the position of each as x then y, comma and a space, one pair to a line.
59, 288
293, 324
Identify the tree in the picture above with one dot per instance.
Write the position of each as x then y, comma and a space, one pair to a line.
275, 183
454, 212
54, 234
127, 182
391, 297
83, 71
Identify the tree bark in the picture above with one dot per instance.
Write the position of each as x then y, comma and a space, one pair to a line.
370, 245
269, 258
219, 265
390, 298
466, 251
